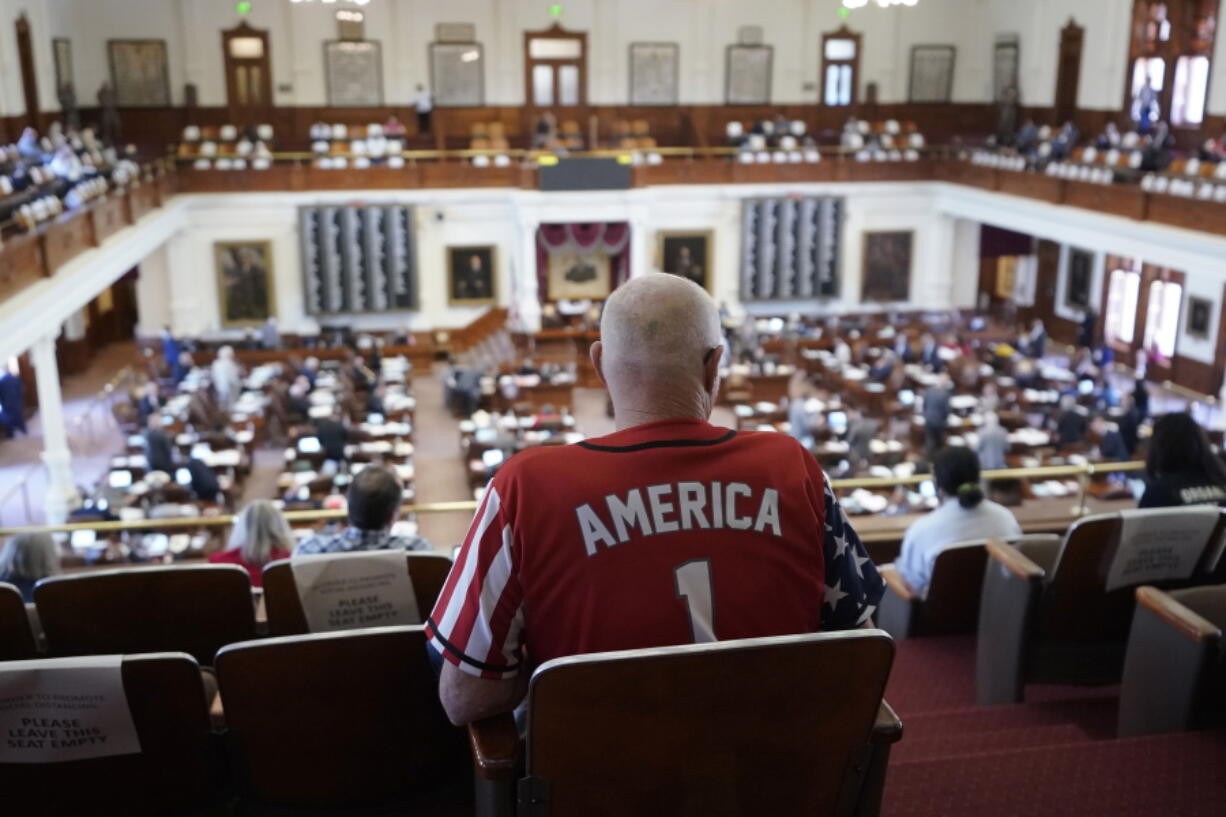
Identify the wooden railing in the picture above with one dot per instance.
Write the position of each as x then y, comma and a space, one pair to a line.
28, 257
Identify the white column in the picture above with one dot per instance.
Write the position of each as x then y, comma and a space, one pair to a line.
525, 294
642, 238
61, 492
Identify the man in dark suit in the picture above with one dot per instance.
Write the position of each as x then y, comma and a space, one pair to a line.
170, 347
159, 450
1071, 425
149, 402
205, 486
332, 436
930, 353
936, 413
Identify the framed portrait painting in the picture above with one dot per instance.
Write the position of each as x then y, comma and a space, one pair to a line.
687, 255
244, 282
887, 267
932, 73
471, 275
1199, 317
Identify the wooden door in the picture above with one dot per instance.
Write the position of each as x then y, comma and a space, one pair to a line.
1068, 74
248, 74
555, 68
29, 75
1046, 277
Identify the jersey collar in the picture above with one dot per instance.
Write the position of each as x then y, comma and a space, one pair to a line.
678, 433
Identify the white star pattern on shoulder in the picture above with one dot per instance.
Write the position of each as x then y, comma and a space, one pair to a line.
834, 595
868, 612
860, 562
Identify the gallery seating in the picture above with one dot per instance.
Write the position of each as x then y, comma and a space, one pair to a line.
175, 772
337, 720
759, 726
1175, 669
195, 609
951, 604
16, 640
1047, 616
427, 572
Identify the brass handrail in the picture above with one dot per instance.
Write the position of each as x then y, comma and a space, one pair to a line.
223, 520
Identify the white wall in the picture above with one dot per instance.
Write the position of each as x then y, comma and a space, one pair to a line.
702, 28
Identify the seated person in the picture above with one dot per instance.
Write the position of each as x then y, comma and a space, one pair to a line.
260, 535
964, 516
374, 400
310, 370
373, 507
1182, 467
297, 404
149, 401
1111, 444
548, 562
883, 368
25, 559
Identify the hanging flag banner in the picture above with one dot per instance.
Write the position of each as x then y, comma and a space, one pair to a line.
346, 591
59, 709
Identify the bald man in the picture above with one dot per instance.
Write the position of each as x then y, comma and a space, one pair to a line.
668, 531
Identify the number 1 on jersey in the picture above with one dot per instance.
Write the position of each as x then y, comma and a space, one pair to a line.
693, 582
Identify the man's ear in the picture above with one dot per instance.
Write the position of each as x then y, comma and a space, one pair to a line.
710, 371
597, 355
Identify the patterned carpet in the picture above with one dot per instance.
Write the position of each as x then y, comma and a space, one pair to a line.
1053, 755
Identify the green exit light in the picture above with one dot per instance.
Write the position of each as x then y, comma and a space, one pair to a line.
243, 7
844, 12
555, 10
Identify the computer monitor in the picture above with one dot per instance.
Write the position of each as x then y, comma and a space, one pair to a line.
837, 419
928, 489
183, 476
120, 479
83, 539
310, 445
375, 419
906, 397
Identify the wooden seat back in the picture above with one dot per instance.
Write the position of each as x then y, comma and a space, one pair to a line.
335, 719
193, 609
1075, 605
427, 572
16, 639
760, 726
174, 771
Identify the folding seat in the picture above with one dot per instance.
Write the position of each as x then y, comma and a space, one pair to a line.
481, 161
338, 724
228, 133
16, 638
427, 572
195, 609
951, 604
497, 131
758, 726
480, 130
264, 133
175, 772
1175, 669
1060, 614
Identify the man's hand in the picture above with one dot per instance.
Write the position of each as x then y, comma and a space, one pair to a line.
467, 698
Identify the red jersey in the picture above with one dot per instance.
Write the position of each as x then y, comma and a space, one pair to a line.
667, 533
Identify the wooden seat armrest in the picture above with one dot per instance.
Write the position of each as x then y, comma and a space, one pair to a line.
1187, 622
888, 728
1015, 561
496, 746
896, 583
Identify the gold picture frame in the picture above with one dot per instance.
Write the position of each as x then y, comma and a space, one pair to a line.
468, 285
246, 292
668, 249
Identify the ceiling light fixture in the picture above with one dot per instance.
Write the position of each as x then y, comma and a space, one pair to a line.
331, 2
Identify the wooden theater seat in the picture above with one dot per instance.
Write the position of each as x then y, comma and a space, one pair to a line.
951, 604
16, 638
339, 721
194, 609
1175, 667
1046, 615
787, 725
175, 773
427, 571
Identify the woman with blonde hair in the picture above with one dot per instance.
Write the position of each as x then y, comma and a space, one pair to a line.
26, 558
260, 535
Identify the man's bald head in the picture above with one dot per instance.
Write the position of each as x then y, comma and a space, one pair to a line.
656, 333
659, 324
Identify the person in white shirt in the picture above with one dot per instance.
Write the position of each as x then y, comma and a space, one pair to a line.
424, 103
964, 515
227, 380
